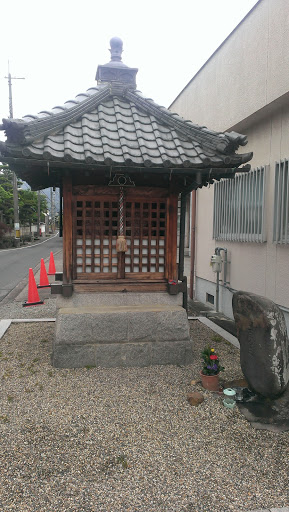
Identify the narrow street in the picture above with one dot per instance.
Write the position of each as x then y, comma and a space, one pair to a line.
15, 263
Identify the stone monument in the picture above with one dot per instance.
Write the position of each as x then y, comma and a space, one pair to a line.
264, 346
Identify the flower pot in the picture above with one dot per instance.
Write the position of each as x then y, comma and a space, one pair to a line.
210, 382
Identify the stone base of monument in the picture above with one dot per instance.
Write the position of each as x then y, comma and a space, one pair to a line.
262, 412
267, 414
120, 330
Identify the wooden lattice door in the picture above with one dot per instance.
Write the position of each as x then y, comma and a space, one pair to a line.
96, 228
145, 228
96, 225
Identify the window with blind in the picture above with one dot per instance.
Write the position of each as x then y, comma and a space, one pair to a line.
239, 213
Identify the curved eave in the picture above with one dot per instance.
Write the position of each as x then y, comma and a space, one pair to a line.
218, 161
29, 169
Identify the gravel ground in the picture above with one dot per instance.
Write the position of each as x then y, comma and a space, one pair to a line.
15, 309
115, 440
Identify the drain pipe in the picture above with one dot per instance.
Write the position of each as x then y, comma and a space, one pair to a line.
181, 276
217, 291
193, 242
218, 253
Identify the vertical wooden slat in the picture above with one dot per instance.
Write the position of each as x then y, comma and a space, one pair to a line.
101, 226
67, 230
92, 235
60, 212
132, 219
182, 237
84, 235
171, 237
141, 226
110, 239
74, 237
157, 246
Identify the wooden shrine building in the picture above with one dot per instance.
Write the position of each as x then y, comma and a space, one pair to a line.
122, 162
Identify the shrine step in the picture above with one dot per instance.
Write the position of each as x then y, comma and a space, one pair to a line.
119, 299
121, 336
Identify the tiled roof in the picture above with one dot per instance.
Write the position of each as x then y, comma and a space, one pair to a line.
116, 125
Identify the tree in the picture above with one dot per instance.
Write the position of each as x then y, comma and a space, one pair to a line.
27, 199
3, 229
6, 194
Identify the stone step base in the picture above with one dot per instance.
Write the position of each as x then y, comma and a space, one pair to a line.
119, 299
111, 336
124, 355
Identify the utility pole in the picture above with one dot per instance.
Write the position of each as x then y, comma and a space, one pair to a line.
38, 212
51, 208
15, 191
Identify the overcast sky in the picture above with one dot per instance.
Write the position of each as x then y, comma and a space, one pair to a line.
57, 45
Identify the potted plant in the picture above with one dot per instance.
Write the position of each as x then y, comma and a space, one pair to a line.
211, 369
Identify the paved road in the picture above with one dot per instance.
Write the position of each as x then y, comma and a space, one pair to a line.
15, 263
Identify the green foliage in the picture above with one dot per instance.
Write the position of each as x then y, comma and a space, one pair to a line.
216, 338
6, 199
27, 200
3, 229
211, 363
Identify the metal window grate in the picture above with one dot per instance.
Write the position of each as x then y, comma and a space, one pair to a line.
281, 203
239, 207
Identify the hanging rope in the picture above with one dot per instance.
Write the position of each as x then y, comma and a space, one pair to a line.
121, 244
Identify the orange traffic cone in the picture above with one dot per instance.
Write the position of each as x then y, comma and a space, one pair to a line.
33, 295
43, 282
52, 269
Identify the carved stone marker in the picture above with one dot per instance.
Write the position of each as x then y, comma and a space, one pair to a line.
264, 346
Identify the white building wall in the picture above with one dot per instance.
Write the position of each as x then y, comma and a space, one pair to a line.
245, 87
245, 74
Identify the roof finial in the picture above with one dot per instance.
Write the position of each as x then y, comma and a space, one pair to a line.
116, 49
116, 71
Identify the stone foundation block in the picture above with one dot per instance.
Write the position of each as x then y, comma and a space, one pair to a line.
119, 355
121, 336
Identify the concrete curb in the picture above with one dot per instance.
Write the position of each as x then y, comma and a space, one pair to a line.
283, 509
5, 324
219, 330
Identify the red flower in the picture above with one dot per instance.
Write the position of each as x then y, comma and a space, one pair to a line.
214, 357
